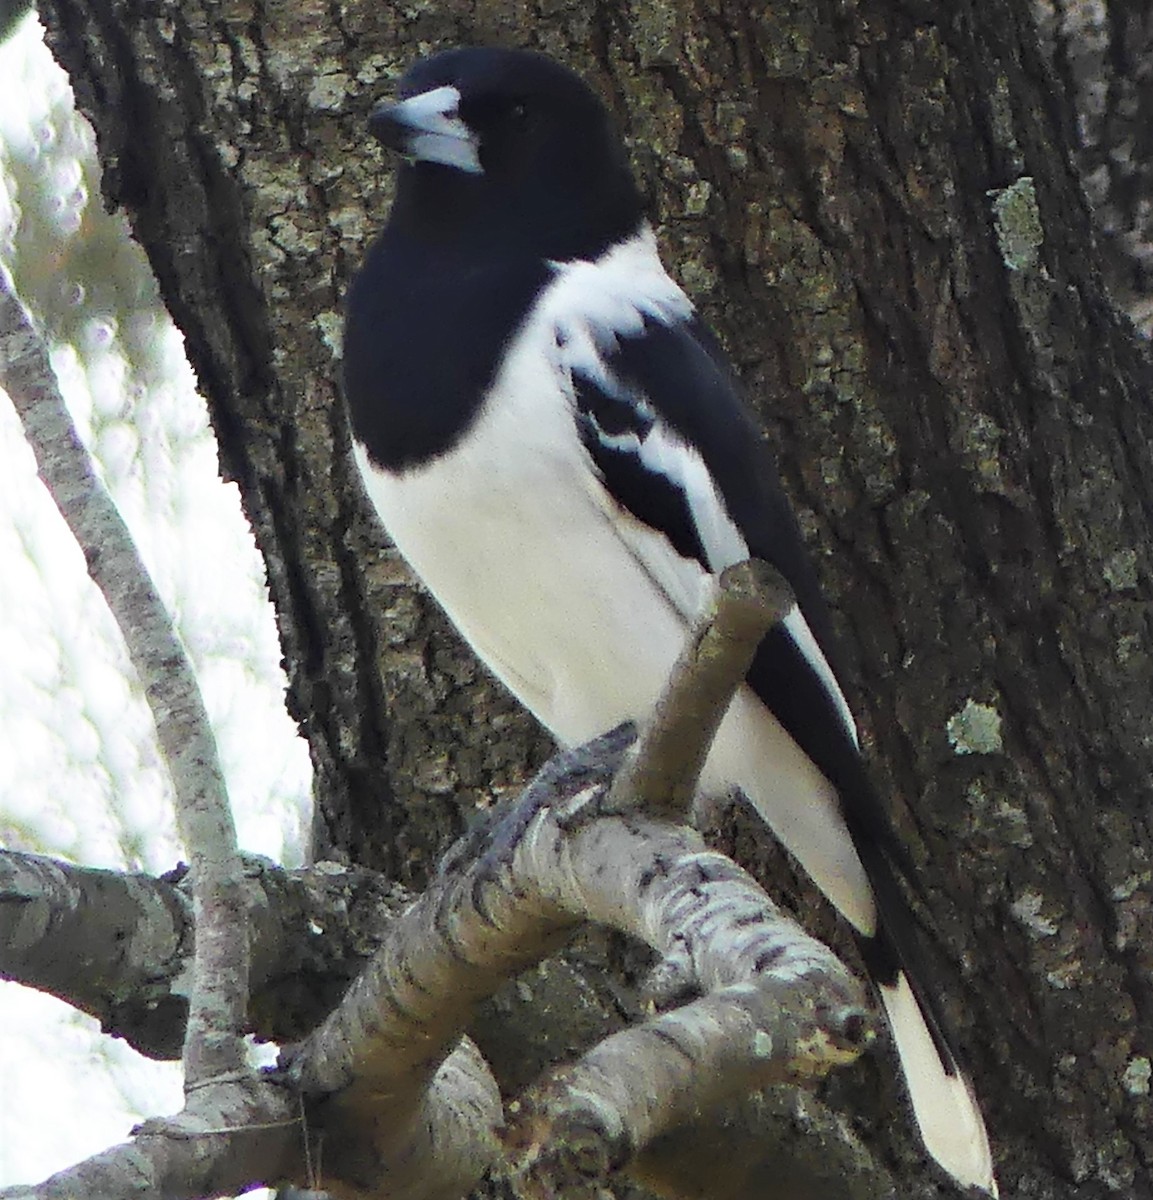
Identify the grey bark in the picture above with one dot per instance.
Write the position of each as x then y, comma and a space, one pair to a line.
878, 207
1103, 54
402, 1106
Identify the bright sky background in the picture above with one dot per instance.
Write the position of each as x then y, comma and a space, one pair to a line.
80, 776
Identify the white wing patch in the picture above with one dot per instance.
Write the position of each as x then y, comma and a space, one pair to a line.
591, 305
666, 453
662, 452
627, 283
685, 582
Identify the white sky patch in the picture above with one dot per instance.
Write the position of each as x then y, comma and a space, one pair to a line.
68, 1092
80, 775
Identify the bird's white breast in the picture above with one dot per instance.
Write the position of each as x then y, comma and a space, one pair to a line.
513, 534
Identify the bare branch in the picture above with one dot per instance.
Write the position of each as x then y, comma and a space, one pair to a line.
234, 1134
777, 1005
219, 988
396, 1092
660, 779
108, 943
412, 1138
438, 1137
470, 931
774, 1004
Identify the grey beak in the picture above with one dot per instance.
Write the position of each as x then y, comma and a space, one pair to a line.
427, 128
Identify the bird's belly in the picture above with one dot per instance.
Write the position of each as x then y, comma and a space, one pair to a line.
546, 593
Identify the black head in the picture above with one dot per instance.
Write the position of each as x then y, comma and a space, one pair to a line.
510, 147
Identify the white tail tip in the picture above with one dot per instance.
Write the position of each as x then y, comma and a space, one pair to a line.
944, 1105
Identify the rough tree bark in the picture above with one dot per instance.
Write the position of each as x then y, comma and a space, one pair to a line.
1103, 53
877, 206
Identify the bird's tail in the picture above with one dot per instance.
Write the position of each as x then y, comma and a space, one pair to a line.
943, 1102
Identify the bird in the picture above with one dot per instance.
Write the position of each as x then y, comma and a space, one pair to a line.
560, 449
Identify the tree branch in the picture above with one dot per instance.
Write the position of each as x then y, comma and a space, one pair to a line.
233, 1135
392, 1089
661, 776
109, 943
774, 1004
777, 1006
218, 997
117, 945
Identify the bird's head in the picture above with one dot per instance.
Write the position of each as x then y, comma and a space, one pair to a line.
511, 146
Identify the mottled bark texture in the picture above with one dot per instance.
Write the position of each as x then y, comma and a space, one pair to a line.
877, 206
1103, 52
385, 1086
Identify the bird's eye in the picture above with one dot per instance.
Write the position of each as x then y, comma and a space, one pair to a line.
493, 114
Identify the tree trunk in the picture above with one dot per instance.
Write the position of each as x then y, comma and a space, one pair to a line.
1103, 53
877, 207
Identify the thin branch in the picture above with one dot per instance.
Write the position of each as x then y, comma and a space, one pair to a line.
109, 943
661, 777
777, 1006
430, 1138
472, 929
204, 819
774, 1003
395, 1092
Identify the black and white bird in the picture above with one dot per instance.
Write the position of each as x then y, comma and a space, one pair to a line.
558, 447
